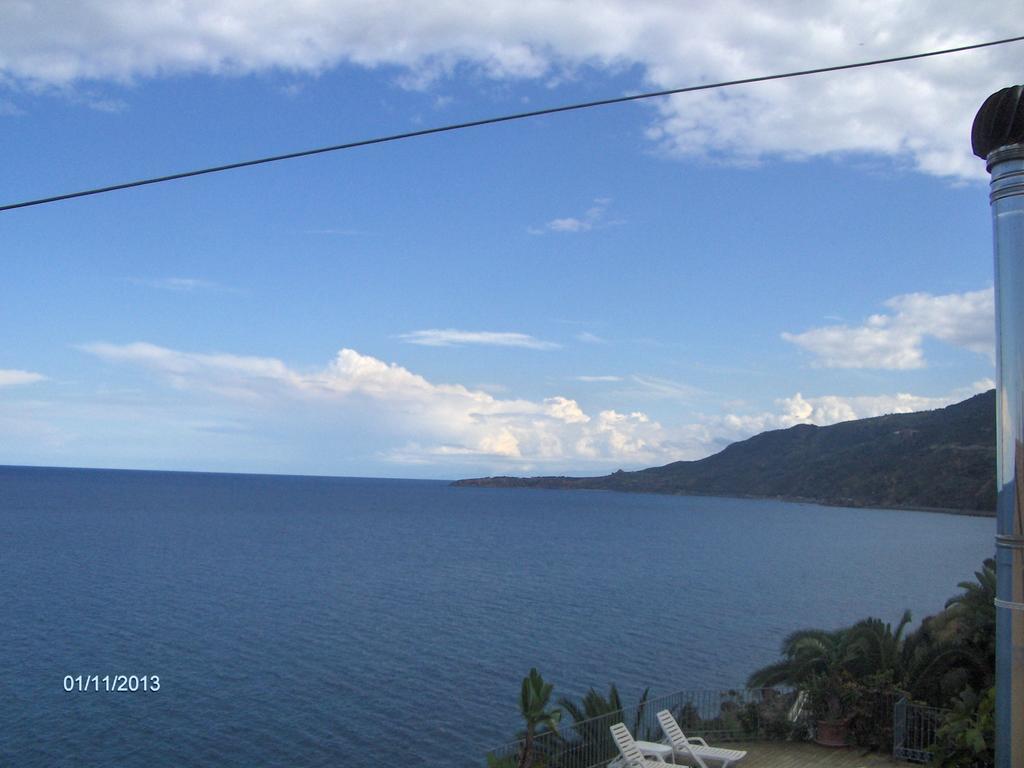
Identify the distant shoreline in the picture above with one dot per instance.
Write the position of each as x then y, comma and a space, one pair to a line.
221, 473
527, 484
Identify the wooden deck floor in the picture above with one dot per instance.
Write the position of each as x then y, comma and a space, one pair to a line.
785, 754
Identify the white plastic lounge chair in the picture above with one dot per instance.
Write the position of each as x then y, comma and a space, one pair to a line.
631, 754
696, 748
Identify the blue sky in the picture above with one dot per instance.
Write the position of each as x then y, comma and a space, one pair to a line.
619, 287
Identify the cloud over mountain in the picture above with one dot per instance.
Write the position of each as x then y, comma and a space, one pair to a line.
422, 422
894, 341
426, 419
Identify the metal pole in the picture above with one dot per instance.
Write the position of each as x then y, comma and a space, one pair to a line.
998, 138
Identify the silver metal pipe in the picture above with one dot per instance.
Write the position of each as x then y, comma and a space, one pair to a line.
998, 137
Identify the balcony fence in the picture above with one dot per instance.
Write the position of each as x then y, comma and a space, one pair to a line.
718, 716
913, 728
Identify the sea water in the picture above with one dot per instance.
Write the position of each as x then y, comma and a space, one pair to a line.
306, 622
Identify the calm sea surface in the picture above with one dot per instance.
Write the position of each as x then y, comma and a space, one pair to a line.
305, 622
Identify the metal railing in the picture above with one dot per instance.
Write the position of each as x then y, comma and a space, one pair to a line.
870, 723
913, 730
714, 715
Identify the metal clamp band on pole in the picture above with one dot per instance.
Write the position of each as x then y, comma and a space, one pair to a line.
1009, 604
1009, 190
1009, 541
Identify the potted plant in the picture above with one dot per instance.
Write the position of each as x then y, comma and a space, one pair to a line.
828, 697
814, 661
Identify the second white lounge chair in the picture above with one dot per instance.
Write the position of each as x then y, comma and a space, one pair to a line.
631, 754
696, 748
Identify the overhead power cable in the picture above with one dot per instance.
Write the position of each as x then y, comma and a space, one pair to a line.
501, 119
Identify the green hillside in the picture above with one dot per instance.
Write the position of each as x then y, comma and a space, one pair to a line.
941, 459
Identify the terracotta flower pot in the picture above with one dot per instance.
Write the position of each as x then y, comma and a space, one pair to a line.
831, 733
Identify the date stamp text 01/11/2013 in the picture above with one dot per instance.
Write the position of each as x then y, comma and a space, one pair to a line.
112, 683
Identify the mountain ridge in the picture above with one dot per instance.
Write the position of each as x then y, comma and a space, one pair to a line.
942, 460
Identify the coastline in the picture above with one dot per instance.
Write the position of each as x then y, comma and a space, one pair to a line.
847, 504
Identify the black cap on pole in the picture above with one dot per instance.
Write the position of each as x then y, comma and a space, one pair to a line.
999, 122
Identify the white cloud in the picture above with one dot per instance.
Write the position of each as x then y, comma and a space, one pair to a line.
590, 338
627, 435
981, 385
183, 284
894, 341
566, 410
962, 319
594, 217
101, 103
434, 420
598, 378
10, 377
450, 337
919, 112
234, 376
661, 388
10, 109
832, 409
877, 344
357, 408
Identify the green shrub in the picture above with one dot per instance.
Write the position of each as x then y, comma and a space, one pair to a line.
966, 737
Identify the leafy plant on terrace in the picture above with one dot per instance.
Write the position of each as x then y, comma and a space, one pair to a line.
859, 671
807, 654
734, 719
876, 649
768, 717
955, 649
967, 736
818, 661
534, 698
592, 718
